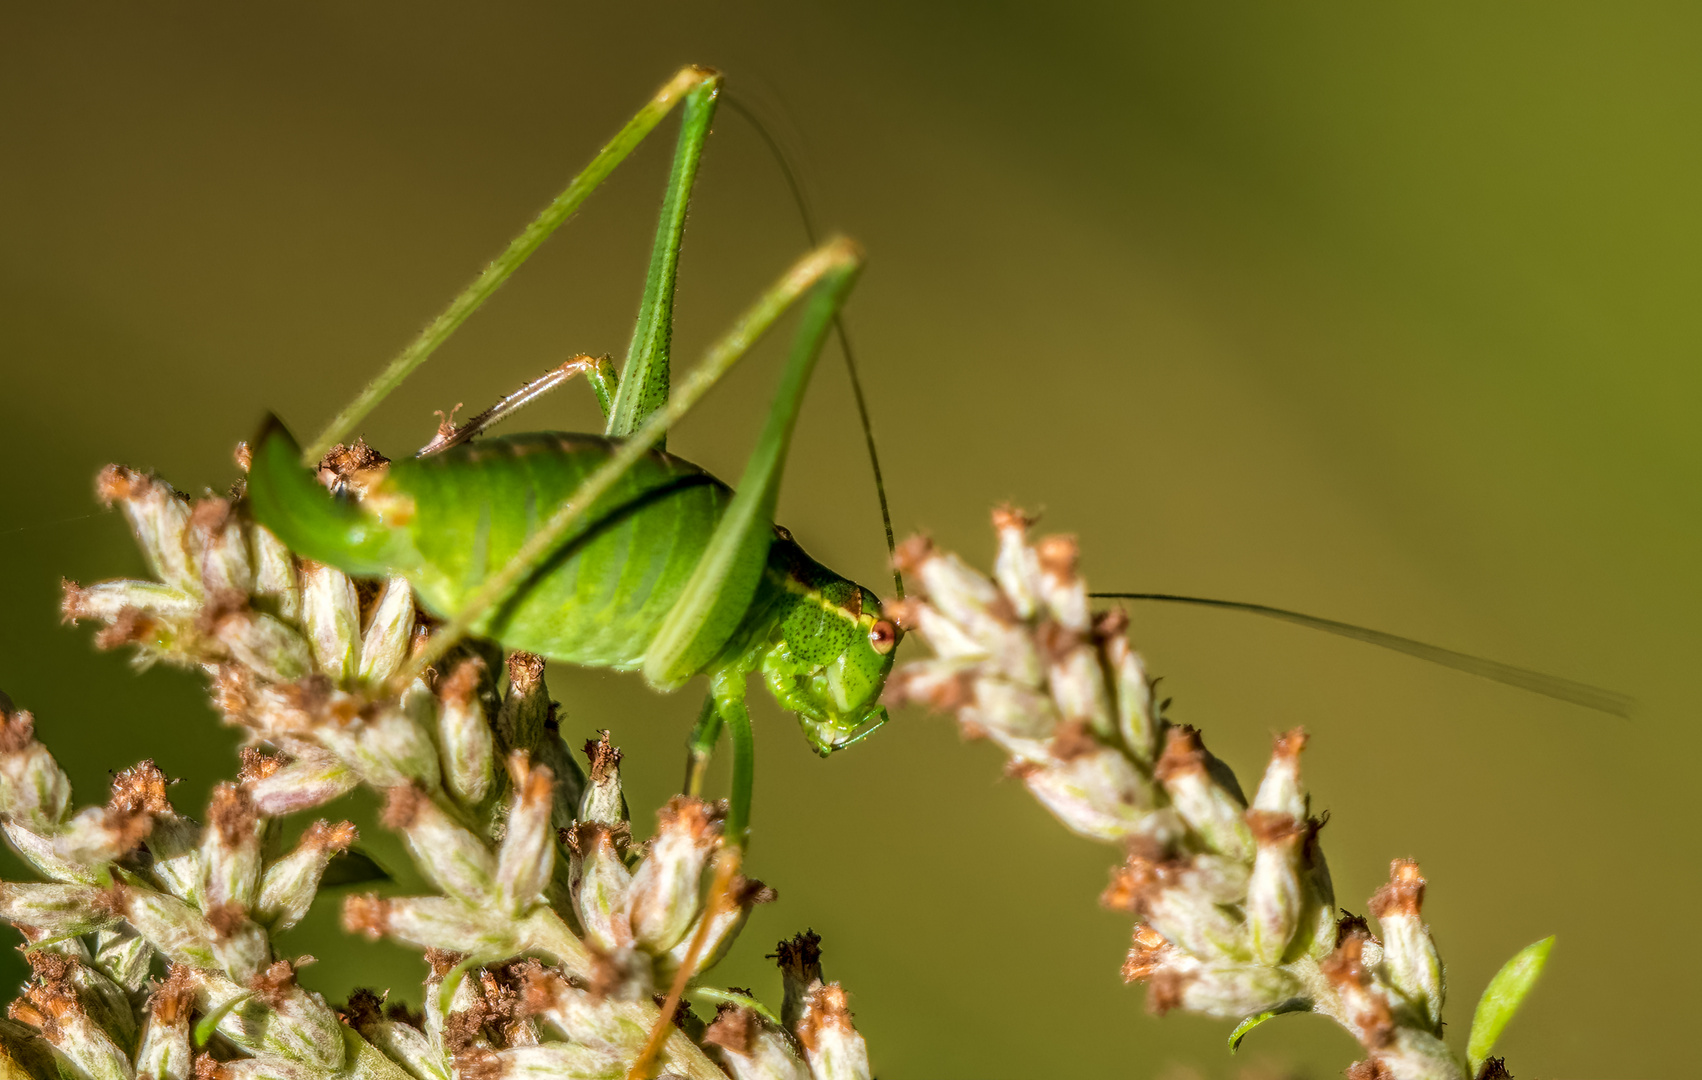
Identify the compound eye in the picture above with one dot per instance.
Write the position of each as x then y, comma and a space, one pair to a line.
883, 636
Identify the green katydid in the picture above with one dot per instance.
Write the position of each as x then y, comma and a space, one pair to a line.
605, 550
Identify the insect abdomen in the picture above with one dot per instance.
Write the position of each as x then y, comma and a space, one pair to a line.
600, 601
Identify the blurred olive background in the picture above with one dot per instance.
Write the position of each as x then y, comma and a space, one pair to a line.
1385, 313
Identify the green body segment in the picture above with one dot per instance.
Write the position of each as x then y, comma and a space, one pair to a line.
599, 601
448, 521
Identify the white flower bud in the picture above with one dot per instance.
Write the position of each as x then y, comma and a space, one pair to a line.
331, 615
552, 1061
1181, 901
165, 1052
1280, 791
280, 1018
173, 927
520, 723
107, 601
432, 922
527, 857
239, 944
1226, 991
1095, 792
1215, 812
603, 801
53, 1007
290, 884
40, 852
270, 648
124, 957
65, 967
56, 910
220, 549
176, 847
1017, 568
1274, 894
601, 887
464, 734
449, 855
392, 747
831, 1044
742, 895
33, 788
312, 778
1061, 588
1410, 960
753, 1049
275, 573
267, 1067
408, 1047
389, 632
230, 849
1416, 1055
957, 590
1136, 720
667, 888
1077, 681
159, 519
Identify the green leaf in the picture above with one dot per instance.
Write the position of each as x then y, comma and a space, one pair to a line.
210, 1022
1241, 1029
1502, 998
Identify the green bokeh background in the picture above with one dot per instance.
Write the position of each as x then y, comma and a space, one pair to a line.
1383, 312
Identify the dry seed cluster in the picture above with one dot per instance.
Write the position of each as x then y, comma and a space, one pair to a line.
550, 934
1235, 914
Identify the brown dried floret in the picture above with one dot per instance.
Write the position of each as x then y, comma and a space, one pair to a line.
1059, 556
826, 1006
1345, 968
402, 804
734, 1028
1147, 952
342, 462
173, 998
443, 961
1183, 754
1006, 516
207, 1067
1404, 893
140, 789
911, 553
525, 672
1073, 740
131, 626
799, 957
1164, 990
368, 914
231, 811
227, 918
1290, 743
1273, 826
1369, 1069
17, 731
274, 984
603, 755
257, 765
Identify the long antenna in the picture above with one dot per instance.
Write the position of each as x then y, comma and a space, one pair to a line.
1591, 697
803, 206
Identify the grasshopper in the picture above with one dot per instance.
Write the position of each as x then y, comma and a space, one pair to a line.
605, 550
